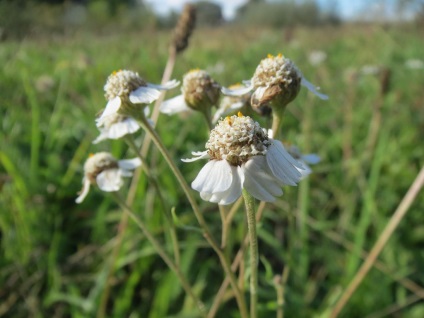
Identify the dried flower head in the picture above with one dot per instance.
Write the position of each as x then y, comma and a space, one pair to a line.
276, 82
199, 92
184, 28
243, 156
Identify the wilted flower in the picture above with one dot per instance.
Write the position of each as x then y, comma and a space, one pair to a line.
276, 81
242, 156
107, 172
199, 92
125, 90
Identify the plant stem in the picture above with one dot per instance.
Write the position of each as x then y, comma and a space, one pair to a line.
249, 202
381, 242
162, 253
206, 232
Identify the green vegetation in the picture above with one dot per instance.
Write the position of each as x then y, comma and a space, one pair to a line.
55, 255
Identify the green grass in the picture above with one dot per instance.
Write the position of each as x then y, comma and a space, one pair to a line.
55, 254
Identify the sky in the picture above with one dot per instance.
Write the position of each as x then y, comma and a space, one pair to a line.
347, 8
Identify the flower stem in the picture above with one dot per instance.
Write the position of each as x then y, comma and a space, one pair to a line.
277, 118
253, 239
162, 253
153, 181
206, 231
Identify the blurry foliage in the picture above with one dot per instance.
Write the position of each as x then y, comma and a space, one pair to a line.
208, 13
285, 13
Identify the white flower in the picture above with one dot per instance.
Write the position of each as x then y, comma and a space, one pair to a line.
199, 92
414, 64
107, 172
242, 156
275, 76
124, 88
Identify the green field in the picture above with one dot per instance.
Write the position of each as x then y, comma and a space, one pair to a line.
58, 258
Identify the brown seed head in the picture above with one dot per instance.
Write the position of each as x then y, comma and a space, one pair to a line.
184, 28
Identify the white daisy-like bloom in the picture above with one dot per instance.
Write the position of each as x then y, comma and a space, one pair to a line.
317, 57
199, 92
103, 170
125, 89
414, 64
231, 104
241, 155
275, 78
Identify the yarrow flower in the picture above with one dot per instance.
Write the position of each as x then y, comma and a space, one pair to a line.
276, 80
243, 156
103, 170
199, 92
125, 90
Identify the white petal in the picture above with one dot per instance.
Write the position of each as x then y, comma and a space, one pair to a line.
311, 158
259, 92
168, 85
199, 154
305, 171
236, 92
311, 87
129, 164
146, 111
224, 111
111, 108
282, 164
228, 196
122, 128
110, 180
174, 105
215, 176
103, 135
84, 191
259, 180
144, 95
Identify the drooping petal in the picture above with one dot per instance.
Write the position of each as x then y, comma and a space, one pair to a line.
236, 92
110, 180
311, 87
282, 164
199, 154
144, 95
122, 128
129, 164
174, 105
233, 192
84, 191
103, 136
214, 177
111, 108
305, 171
168, 85
258, 180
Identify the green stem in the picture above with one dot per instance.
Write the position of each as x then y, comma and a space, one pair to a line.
253, 239
130, 141
206, 232
277, 118
162, 253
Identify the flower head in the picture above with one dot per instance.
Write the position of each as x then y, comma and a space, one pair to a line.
243, 156
106, 172
199, 92
276, 81
125, 90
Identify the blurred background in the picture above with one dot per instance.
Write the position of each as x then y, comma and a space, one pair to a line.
59, 259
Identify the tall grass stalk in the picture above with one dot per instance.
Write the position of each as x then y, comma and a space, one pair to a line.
381, 243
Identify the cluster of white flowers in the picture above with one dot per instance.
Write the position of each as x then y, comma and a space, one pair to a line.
241, 154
